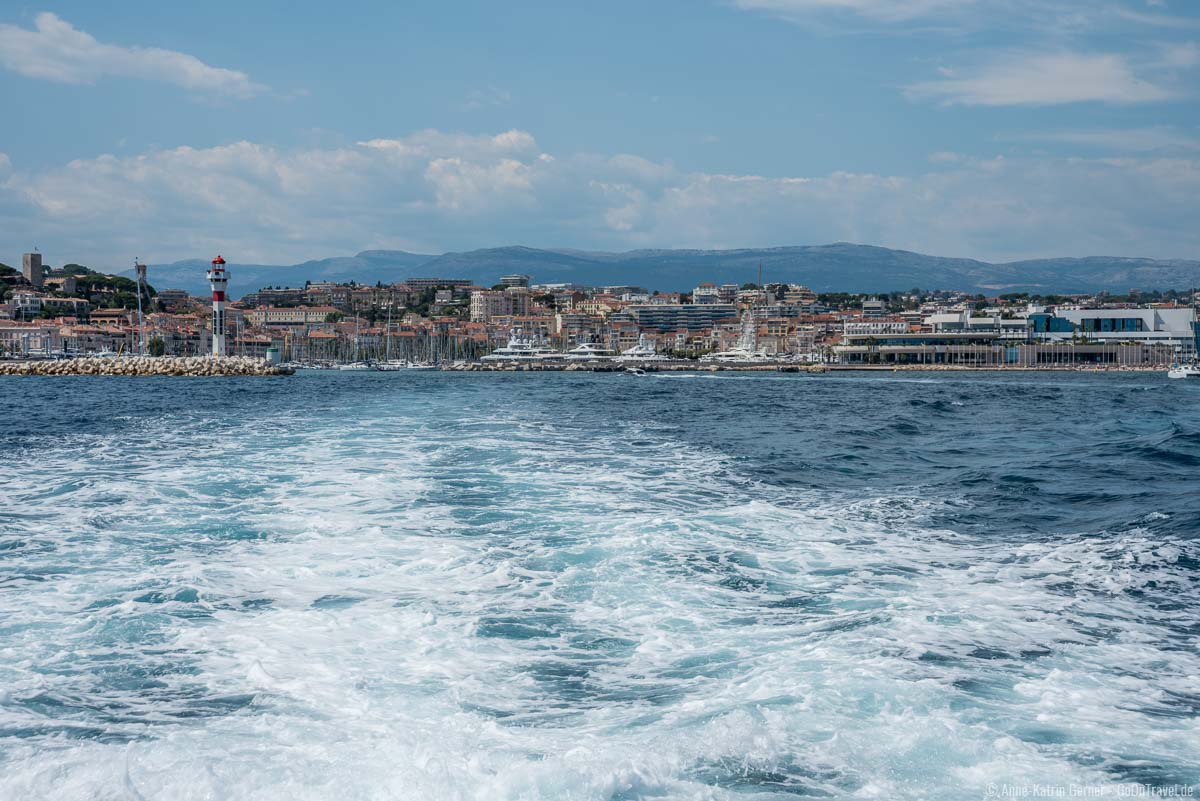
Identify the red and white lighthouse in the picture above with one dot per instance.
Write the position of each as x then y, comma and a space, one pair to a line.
219, 279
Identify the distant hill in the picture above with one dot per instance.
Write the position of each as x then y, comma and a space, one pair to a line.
838, 267
366, 267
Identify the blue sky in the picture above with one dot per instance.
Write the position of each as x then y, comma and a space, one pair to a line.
996, 129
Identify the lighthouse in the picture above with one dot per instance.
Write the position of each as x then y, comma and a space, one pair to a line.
218, 278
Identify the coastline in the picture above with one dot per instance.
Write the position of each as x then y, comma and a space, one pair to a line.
200, 366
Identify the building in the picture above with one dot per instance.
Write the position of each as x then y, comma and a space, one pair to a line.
275, 296
173, 298
514, 279
692, 316
622, 289
289, 316
707, 293
1117, 337
18, 339
799, 295
31, 268
63, 283
874, 307
487, 304
875, 327
421, 284
1175, 327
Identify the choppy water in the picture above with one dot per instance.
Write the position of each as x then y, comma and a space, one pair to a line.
425, 586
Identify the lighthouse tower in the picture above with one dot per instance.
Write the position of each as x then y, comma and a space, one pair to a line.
218, 278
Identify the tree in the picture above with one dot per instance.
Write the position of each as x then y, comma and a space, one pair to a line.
334, 317
156, 346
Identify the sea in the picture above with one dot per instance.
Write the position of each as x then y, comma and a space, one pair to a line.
423, 585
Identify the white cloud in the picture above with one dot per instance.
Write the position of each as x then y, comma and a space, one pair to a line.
56, 51
490, 97
1135, 140
1056, 16
434, 191
1036, 79
1181, 55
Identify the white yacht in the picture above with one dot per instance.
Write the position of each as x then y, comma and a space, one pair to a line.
641, 353
587, 352
522, 349
354, 366
745, 351
1184, 371
734, 355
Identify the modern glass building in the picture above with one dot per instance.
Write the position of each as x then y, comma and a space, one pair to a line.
692, 316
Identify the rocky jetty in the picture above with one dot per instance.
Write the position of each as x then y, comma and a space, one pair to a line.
145, 365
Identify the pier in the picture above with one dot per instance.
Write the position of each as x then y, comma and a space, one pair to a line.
146, 366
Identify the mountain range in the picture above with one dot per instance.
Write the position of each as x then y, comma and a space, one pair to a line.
826, 268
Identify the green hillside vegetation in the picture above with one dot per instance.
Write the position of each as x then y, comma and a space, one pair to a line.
108, 291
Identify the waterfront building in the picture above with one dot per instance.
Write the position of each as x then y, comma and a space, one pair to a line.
21, 338
1119, 337
1173, 327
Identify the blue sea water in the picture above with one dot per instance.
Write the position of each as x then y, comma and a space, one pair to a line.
566, 586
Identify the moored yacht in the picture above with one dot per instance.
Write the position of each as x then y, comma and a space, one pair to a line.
745, 351
734, 355
641, 353
587, 352
1184, 370
521, 348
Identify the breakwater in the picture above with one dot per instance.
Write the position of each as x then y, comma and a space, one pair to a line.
146, 366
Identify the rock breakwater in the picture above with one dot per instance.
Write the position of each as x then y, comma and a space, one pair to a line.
145, 366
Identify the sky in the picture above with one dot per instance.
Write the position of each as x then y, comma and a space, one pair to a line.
275, 132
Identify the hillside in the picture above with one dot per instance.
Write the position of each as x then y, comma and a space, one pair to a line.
838, 267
